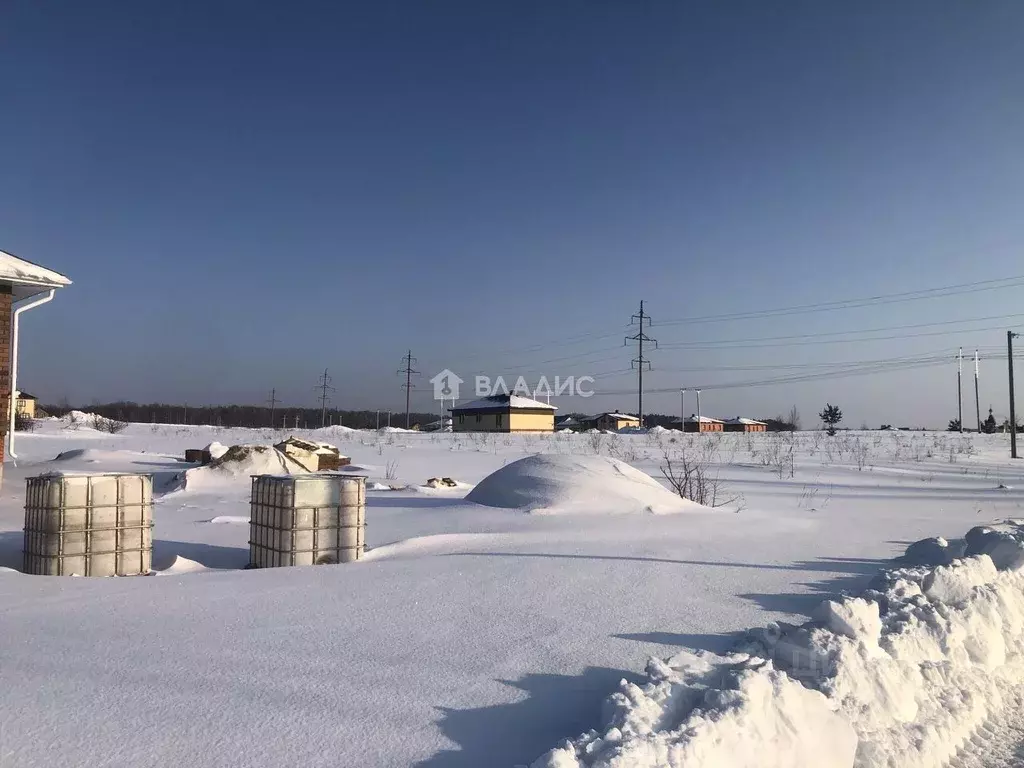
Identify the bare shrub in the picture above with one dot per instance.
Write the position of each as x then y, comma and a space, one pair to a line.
623, 449
23, 423
111, 426
691, 478
391, 472
811, 499
860, 453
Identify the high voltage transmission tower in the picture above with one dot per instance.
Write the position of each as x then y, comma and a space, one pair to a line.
409, 372
640, 319
324, 385
272, 402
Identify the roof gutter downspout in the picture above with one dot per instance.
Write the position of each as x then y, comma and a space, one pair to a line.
14, 367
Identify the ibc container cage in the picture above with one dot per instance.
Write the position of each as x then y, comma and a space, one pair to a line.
306, 520
88, 524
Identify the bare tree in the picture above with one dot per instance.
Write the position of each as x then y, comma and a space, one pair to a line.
113, 426
794, 418
690, 477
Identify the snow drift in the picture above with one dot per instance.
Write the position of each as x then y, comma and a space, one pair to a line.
240, 462
557, 483
905, 675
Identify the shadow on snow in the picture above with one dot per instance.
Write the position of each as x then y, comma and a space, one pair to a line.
556, 707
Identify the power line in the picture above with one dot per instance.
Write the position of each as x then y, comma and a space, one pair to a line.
755, 344
408, 385
828, 306
866, 368
885, 329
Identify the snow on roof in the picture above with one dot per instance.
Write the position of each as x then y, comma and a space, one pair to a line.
621, 416
27, 278
704, 420
501, 402
742, 420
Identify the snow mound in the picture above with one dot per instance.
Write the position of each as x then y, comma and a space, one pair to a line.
216, 450
905, 675
240, 462
336, 429
94, 456
182, 565
72, 417
552, 484
225, 519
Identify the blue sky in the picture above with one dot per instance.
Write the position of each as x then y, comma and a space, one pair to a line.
248, 192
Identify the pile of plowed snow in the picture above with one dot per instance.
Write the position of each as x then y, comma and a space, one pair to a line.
240, 462
910, 674
553, 484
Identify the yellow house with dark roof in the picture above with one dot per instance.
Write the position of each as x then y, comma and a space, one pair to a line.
504, 413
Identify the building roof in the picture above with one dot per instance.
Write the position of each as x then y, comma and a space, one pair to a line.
503, 403
28, 279
26, 396
741, 420
704, 420
620, 416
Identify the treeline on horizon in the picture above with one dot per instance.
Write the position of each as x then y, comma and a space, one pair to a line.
252, 416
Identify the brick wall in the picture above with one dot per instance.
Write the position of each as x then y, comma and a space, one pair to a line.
5, 366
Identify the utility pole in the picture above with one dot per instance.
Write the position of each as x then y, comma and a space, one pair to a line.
1013, 410
273, 404
682, 410
977, 400
700, 424
378, 418
409, 372
960, 391
640, 319
324, 385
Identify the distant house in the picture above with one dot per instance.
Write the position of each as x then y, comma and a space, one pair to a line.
26, 405
616, 421
504, 413
575, 423
704, 424
441, 425
740, 424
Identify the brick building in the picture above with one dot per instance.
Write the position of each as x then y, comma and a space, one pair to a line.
19, 280
740, 424
696, 423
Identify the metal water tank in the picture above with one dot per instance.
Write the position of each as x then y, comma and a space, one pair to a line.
88, 524
306, 520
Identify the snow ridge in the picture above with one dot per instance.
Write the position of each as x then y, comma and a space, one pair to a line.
906, 675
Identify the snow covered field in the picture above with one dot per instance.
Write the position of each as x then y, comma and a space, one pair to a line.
485, 636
